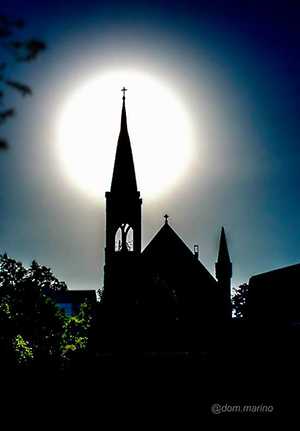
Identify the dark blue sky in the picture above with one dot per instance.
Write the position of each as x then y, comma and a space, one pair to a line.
237, 66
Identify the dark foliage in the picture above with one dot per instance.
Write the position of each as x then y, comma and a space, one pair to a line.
32, 324
14, 51
33, 328
239, 300
24, 90
3, 144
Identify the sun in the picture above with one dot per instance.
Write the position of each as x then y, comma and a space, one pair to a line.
158, 125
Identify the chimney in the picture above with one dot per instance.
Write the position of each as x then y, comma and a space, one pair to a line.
196, 251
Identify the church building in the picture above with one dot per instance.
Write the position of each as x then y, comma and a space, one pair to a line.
165, 282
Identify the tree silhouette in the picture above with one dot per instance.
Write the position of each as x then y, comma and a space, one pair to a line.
33, 328
239, 300
33, 324
14, 52
77, 334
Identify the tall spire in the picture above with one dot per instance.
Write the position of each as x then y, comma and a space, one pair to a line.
123, 225
123, 179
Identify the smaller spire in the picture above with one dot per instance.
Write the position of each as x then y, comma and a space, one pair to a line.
223, 265
223, 248
166, 218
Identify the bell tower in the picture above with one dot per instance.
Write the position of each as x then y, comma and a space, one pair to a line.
123, 224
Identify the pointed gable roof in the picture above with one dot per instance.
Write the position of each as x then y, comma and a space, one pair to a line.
166, 240
168, 251
124, 174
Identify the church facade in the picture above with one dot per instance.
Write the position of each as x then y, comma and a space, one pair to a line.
164, 287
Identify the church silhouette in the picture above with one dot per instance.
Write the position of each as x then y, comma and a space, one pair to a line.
162, 297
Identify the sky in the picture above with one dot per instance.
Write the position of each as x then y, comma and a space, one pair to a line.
233, 65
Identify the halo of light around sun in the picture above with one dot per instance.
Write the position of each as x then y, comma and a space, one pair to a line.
158, 125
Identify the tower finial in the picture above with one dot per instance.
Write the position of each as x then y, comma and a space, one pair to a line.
166, 217
124, 89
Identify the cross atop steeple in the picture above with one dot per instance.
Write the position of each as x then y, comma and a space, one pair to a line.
124, 89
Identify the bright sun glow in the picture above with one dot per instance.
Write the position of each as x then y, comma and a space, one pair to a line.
158, 126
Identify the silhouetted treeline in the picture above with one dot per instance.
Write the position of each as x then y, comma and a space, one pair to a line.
33, 329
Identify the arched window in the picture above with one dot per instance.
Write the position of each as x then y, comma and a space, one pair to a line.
118, 240
124, 238
129, 239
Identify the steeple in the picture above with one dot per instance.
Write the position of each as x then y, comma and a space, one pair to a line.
123, 179
223, 256
223, 265
123, 223
223, 275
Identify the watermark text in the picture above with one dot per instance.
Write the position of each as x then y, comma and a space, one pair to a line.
227, 408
